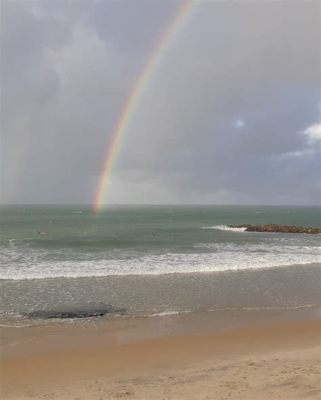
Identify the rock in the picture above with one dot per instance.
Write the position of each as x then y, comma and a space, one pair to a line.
91, 310
279, 228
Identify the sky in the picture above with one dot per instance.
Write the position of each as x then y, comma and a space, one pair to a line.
231, 114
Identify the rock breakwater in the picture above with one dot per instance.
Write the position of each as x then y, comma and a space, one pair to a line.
278, 228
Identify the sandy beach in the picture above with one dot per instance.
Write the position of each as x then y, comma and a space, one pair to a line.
278, 360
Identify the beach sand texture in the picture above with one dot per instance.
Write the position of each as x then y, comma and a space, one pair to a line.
281, 360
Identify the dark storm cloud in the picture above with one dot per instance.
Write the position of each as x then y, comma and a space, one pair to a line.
222, 119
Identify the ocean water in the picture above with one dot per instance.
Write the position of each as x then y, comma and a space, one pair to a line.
155, 259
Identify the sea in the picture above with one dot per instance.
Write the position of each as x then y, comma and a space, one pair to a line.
153, 260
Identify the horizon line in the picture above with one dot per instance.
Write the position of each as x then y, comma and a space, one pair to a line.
163, 204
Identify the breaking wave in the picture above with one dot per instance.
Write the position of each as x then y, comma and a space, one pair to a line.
207, 258
225, 228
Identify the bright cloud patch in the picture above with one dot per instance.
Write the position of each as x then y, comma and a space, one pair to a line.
313, 132
239, 123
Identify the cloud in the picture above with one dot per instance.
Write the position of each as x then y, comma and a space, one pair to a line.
313, 132
239, 123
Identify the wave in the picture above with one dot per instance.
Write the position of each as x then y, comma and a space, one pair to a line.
14, 242
240, 252
169, 263
261, 248
168, 313
225, 228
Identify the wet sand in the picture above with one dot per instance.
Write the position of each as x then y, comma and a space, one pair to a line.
271, 359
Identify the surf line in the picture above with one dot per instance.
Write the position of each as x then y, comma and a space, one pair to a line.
134, 98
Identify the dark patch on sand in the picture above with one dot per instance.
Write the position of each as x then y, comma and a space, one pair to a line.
89, 310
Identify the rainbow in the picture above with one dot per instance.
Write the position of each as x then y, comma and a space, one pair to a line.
133, 100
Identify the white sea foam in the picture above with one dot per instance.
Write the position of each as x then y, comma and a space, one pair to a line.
168, 313
225, 228
269, 248
214, 257
26, 262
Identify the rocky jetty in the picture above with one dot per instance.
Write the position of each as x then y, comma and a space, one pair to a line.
278, 228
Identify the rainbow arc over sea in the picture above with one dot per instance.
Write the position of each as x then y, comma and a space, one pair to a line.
134, 98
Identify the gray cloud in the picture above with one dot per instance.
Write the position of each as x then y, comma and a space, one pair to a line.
68, 67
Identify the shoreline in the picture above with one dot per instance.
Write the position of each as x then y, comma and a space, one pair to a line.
303, 264
253, 335
124, 359
140, 295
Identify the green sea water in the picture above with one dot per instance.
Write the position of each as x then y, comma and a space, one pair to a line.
134, 256
35, 239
